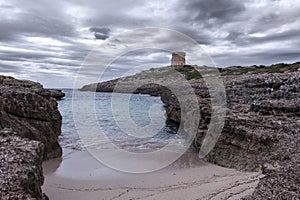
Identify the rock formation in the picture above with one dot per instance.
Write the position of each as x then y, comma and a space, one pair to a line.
31, 112
57, 94
30, 124
21, 174
262, 123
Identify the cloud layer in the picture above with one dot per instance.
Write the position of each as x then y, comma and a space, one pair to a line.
47, 41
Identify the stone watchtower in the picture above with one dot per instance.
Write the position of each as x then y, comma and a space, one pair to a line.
178, 58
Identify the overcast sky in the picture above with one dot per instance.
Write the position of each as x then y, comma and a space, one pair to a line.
47, 41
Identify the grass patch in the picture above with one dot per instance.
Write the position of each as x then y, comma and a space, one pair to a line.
188, 71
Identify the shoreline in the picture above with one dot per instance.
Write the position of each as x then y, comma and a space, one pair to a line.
261, 131
78, 175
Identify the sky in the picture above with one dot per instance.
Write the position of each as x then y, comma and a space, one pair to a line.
47, 41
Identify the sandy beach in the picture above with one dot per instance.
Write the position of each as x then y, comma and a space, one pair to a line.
79, 176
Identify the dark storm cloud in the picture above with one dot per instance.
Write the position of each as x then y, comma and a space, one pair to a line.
100, 36
219, 10
204, 20
100, 33
100, 30
271, 19
34, 18
115, 14
197, 34
29, 25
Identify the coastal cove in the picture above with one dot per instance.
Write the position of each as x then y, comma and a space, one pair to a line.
255, 157
79, 175
150, 100
261, 130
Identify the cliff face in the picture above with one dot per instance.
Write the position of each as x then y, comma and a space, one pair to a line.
262, 123
31, 112
21, 174
30, 124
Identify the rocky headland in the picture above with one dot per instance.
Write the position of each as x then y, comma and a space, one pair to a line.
262, 123
30, 124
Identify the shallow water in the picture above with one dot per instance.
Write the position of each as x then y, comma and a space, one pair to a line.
146, 112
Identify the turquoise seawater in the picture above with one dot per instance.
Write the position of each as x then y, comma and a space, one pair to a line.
145, 112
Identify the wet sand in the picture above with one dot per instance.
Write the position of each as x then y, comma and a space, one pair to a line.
77, 175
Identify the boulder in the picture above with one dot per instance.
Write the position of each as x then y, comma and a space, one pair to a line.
57, 94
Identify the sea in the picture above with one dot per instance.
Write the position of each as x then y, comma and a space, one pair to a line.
145, 112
